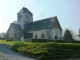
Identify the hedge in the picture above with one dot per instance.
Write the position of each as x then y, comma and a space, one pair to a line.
48, 40
49, 50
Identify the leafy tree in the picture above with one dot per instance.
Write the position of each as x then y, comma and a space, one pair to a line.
3, 35
67, 35
73, 33
79, 33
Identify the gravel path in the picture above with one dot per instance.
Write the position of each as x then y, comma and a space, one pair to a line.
7, 54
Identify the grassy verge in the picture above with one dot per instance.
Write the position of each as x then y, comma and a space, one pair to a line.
49, 50
7, 42
11, 42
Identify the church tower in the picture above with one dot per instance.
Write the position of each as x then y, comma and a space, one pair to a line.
24, 16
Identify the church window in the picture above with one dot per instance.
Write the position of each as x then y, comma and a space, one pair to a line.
31, 15
36, 36
56, 37
19, 17
42, 35
26, 16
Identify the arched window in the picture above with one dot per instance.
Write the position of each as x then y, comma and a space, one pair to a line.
49, 36
43, 36
27, 16
56, 37
19, 17
36, 36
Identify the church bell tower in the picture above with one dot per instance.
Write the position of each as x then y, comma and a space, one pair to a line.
24, 16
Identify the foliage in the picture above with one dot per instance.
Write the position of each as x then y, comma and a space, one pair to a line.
49, 40
49, 50
79, 33
67, 35
40, 40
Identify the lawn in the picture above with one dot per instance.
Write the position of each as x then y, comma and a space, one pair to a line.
7, 42
11, 42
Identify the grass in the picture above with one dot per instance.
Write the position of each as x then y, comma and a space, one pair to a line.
12, 42
7, 42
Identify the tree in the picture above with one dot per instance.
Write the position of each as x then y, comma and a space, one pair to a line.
3, 35
67, 35
79, 33
73, 33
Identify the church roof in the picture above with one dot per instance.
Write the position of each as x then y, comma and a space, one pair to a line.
16, 27
41, 24
24, 10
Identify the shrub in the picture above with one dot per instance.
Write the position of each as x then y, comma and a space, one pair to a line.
49, 50
48, 40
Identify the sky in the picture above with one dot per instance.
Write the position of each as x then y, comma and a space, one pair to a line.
67, 12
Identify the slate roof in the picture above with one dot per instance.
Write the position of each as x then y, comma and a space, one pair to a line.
16, 27
41, 24
24, 10
38, 25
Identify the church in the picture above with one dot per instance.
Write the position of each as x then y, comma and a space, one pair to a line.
48, 28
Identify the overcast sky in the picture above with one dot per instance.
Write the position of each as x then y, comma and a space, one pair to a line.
67, 11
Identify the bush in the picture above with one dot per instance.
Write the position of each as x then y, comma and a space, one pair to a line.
47, 40
45, 51
6, 39
67, 35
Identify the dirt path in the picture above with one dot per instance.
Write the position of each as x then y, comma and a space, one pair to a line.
7, 54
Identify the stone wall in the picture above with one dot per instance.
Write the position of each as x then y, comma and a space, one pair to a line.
40, 34
47, 34
56, 32
17, 34
25, 18
10, 32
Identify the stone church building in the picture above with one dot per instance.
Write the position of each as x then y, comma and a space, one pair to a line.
48, 28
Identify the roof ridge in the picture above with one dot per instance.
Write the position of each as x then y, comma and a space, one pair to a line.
46, 18
24, 8
16, 27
